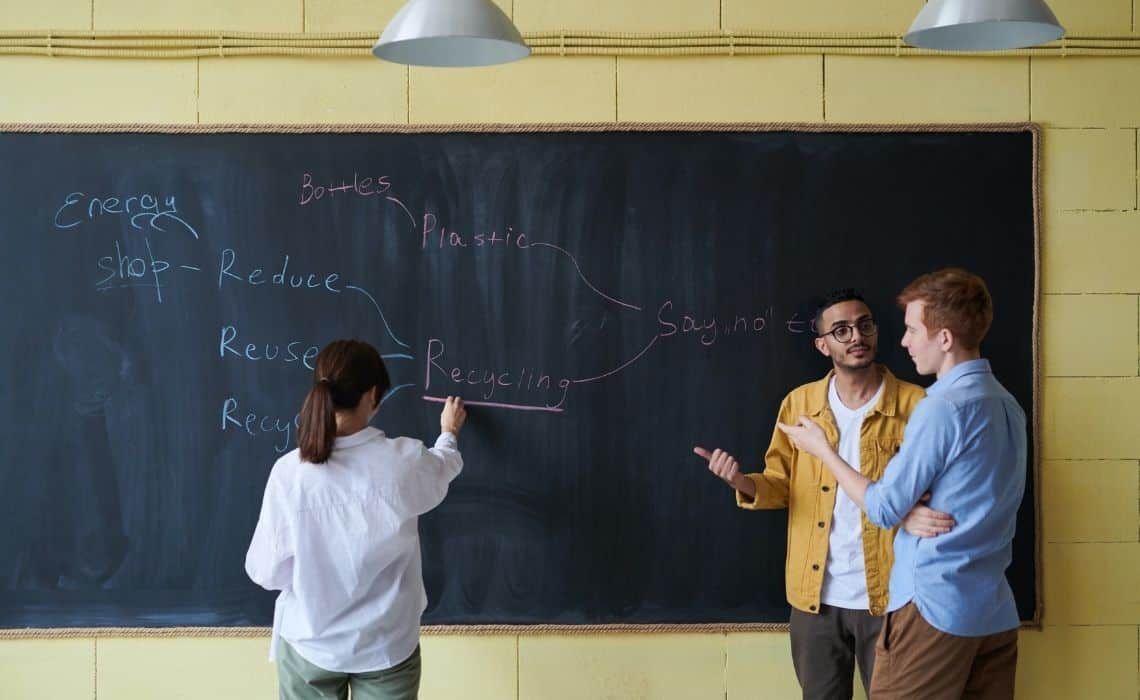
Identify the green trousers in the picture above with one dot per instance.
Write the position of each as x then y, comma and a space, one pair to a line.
297, 679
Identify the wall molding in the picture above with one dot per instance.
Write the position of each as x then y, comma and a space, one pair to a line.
150, 44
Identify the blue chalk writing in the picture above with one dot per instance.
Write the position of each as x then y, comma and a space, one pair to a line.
293, 351
283, 278
125, 270
255, 424
140, 209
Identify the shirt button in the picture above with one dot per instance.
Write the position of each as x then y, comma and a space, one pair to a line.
820, 523
826, 489
811, 607
815, 567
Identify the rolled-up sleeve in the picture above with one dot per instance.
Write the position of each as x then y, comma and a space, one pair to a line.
927, 445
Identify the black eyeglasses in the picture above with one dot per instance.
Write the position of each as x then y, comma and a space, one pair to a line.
844, 334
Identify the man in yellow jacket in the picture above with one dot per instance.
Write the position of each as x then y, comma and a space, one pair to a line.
838, 563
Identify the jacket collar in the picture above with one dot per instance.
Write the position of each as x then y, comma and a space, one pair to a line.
888, 402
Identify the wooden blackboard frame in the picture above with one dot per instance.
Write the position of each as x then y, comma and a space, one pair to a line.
1035, 130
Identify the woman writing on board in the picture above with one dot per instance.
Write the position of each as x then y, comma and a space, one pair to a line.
337, 535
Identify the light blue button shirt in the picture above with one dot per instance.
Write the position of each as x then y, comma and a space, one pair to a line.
965, 443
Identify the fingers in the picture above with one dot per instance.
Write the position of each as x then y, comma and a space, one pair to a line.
797, 432
794, 433
933, 529
453, 415
925, 498
927, 532
792, 429
453, 403
722, 464
934, 517
924, 522
929, 515
940, 521
702, 453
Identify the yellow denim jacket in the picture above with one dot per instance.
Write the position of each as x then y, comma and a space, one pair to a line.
799, 482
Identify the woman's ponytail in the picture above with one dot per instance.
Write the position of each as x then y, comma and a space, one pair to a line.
317, 432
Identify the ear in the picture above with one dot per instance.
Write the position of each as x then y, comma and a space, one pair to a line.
945, 339
821, 345
375, 393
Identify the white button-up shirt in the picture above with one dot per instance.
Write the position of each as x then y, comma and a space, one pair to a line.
340, 541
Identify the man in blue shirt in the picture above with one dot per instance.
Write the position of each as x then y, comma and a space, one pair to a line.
951, 627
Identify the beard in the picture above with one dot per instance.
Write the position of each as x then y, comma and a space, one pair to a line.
850, 361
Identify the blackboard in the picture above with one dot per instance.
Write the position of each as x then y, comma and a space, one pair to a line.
614, 297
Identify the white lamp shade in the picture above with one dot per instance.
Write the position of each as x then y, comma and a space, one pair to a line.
983, 25
450, 33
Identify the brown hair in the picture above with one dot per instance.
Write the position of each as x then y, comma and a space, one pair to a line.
346, 369
953, 299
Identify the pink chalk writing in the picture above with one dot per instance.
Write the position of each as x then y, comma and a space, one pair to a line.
612, 372
709, 329
495, 404
311, 191
523, 382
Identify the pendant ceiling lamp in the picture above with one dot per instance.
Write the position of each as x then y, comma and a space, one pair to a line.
983, 25
450, 33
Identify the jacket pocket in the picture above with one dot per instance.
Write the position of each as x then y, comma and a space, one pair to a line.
885, 448
888, 446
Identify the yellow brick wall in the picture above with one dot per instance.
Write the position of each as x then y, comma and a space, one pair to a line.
1090, 473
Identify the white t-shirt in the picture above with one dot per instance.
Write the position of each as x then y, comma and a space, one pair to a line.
845, 578
340, 541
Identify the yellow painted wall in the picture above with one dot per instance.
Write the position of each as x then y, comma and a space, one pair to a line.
1090, 108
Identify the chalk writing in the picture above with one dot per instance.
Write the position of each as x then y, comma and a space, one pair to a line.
281, 278
525, 381
361, 187
256, 424
140, 209
293, 351
708, 329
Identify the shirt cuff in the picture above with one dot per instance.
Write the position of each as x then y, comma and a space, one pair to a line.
875, 508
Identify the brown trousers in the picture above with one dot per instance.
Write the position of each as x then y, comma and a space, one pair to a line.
916, 661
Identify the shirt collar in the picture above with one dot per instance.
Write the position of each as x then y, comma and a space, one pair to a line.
979, 366
358, 438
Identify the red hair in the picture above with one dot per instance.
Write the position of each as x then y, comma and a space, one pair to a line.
953, 299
